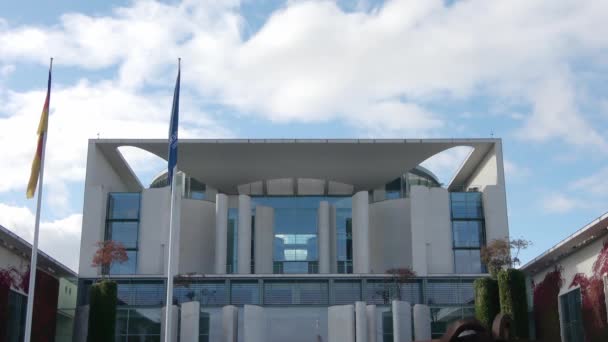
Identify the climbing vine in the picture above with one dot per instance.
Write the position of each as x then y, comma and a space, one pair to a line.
546, 306
594, 299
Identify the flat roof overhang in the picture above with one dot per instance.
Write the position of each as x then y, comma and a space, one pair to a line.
365, 164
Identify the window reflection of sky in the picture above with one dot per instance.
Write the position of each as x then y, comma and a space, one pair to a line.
296, 227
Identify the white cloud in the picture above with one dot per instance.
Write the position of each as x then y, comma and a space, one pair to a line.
313, 62
79, 113
445, 164
58, 238
561, 203
515, 172
595, 184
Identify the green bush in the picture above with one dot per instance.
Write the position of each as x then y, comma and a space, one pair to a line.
487, 304
102, 312
513, 300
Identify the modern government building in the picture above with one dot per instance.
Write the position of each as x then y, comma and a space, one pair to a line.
291, 240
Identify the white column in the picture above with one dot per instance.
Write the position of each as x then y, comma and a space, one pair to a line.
174, 319
371, 323
361, 232
244, 238
221, 232
360, 322
264, 239
402, 321
422, 322
341, 323
254, 324
189, 325
230, 323
324, 237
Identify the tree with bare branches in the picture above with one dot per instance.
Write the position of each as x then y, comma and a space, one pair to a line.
503, 253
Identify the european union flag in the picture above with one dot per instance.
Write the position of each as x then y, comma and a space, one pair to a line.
173, 129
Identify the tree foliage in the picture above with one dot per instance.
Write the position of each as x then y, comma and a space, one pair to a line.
503, 253
514, 300
394, 284
487, 304
108, 253
102, 311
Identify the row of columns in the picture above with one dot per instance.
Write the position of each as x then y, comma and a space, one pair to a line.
350, 323
264, 235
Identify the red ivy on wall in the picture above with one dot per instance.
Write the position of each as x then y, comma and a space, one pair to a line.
594, 299
546, 306
10, 277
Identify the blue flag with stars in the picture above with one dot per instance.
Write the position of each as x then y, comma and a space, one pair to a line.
173, 130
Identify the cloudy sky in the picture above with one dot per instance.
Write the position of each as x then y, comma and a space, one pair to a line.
532, 72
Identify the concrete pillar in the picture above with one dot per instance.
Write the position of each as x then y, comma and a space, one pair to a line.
371, 323
230, 323
422, 322
174, 322
264, 239
190, 317
361, 262
324, 231
81, 324
221, 232
402, 321
255, 324
341, 323
360, 322
244, 236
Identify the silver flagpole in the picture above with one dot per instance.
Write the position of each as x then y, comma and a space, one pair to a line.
32, 284
169, 299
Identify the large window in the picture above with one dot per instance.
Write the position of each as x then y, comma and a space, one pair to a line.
138, 324
468, 231
231, 255
15, 325
387, 326
296, 232
122, 225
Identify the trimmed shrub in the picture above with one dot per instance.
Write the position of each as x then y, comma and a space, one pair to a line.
513, 300
102, 312
487, 303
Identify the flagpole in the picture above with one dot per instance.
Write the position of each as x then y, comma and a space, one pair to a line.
169, 298
33, 263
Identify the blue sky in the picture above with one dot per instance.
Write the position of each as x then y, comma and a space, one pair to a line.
530, 72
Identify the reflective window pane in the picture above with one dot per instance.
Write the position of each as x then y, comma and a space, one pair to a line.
128, 267
467, 261
124, 232
467, 233
123, 206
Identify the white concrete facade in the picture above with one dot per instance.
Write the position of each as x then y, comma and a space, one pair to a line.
354, 227
575, 255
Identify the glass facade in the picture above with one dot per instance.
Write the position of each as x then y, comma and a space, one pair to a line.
387, 326
122, 225
296, 232
468, 231
233, 228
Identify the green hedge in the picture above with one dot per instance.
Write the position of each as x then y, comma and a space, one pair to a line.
513, 299
102, 312
487, 304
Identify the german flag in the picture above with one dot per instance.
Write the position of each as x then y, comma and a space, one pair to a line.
42, 129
